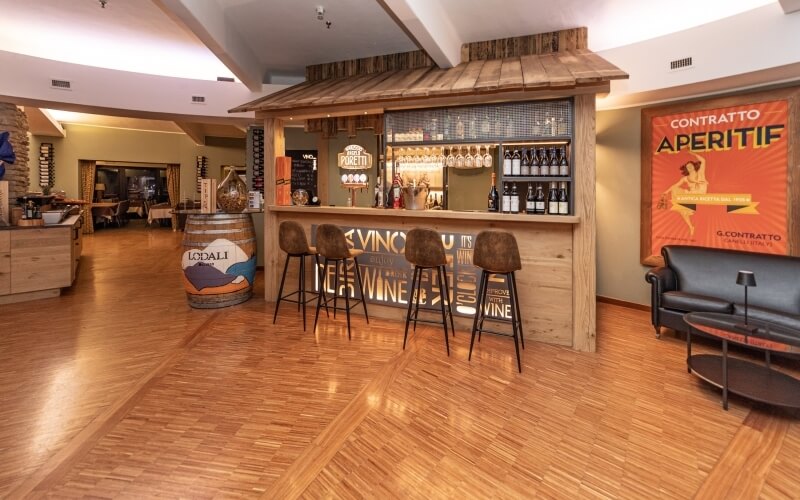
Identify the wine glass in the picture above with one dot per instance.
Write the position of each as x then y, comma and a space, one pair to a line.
459, 159
487, 158
451, 158
469, 160
478, 159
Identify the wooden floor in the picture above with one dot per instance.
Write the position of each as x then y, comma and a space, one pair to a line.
119, 389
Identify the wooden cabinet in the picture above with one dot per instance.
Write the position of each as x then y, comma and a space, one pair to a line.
38, 262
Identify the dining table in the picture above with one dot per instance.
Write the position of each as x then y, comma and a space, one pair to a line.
103, 210
158, 212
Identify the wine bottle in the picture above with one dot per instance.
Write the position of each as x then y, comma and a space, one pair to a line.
507, 163
494, 200
530, 201
552, 199
563, 165
539, 200
535, 163
506, 199
515, 162
563, 200
514, 199
553, 162
525, 165
459, 129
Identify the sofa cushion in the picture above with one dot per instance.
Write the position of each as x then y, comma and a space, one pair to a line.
771, 315
712, 272
683, 301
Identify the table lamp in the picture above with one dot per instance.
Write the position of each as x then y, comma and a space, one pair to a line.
100, 188
746, 279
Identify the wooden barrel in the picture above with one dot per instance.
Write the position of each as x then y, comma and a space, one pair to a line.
219, 259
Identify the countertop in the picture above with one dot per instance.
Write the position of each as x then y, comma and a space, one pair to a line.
69, 221
428, 214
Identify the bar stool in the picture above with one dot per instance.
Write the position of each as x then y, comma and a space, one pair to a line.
332, 245
496, 252
425, 250
292, 240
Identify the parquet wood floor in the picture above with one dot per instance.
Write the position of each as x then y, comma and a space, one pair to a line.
118, 389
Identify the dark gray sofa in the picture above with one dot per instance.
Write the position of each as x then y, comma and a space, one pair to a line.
697, 279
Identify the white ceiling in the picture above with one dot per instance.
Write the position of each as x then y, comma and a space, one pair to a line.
273, 40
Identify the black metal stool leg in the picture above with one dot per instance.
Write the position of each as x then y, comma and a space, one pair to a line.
280, 289
321, 270
513, 298
478, 308
410, 303
444, 314
449, 304
483, 303
416, 301
335, 287
519, 313
302, 287
346, 297
361, 288
321, 292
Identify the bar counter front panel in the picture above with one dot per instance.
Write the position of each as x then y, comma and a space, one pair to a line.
545, 282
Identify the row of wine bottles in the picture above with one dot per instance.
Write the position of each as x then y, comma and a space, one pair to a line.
535, 162
556, 202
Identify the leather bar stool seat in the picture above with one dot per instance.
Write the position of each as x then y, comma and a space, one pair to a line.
496, 252
292, 240
332, 245
425, 250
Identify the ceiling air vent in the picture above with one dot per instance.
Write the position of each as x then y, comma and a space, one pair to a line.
61, 84
224, 79
677, 64
198, 99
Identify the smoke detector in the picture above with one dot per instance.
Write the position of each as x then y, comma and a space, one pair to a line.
320, 12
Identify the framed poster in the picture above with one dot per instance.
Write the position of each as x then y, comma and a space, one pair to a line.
722, 173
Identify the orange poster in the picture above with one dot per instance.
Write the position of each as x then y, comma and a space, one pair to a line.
719, 178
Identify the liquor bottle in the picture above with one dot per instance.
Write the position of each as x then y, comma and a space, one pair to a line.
530, 201
535, 163
396, 198
506, 199
435, 201
553, 162
459, 129
539, 200
563, 200
563, 165
507, 163
525, 165
514, 199
552, 199
515, 162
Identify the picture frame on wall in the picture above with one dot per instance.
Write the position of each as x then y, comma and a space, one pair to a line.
722, 173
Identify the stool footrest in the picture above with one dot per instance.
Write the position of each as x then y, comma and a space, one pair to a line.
298, 301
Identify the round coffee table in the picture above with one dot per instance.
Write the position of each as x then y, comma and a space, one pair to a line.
745, 378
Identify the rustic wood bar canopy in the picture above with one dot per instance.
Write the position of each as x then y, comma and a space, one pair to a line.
351, 95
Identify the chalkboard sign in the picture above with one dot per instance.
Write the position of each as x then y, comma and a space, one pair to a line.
304, 172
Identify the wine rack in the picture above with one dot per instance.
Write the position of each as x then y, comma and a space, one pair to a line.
255, 157
47, 165
201, 163
489, 129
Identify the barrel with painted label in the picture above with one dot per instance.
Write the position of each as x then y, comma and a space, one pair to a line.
219, 259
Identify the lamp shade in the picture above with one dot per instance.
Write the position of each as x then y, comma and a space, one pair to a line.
99, 187
746, 278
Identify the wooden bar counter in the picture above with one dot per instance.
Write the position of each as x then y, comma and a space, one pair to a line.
550, 289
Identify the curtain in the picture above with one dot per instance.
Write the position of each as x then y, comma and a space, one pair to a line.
174, 189
86, 172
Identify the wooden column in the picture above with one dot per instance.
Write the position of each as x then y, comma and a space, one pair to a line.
584, 325
323, 146
274, 146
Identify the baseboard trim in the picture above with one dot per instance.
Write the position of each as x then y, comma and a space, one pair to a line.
623, 303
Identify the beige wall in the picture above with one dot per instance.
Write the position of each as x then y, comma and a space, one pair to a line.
619, 274
117, 145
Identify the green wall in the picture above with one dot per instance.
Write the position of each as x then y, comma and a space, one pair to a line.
120, 145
